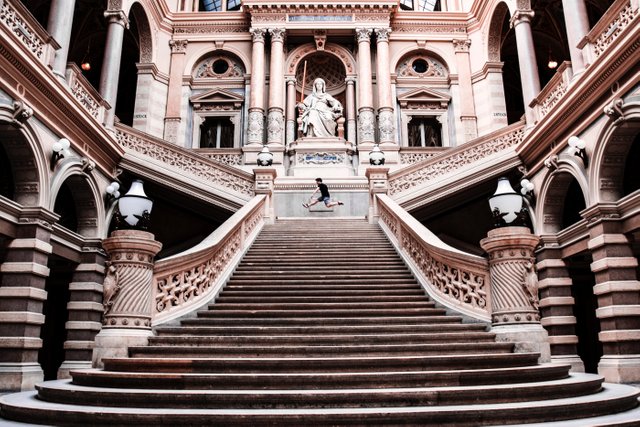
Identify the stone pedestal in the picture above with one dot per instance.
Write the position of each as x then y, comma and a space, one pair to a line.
320, 157
127, 294
514, 289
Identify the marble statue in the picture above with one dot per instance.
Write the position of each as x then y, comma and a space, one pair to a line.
320, 112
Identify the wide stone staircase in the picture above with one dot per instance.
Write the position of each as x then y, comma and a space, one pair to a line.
323, 324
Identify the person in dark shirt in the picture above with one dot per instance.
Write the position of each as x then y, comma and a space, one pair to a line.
324, 196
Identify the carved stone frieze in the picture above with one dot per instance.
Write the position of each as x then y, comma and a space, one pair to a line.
461, 45
320, 158
410, 158
618, 25
422, 66
275, 126
178, 46
208, 68
18, 26
386, 125
366, 125
255, 130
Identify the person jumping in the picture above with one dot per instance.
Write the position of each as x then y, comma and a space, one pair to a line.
324, 196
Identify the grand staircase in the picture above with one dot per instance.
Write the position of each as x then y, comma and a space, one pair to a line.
323, 324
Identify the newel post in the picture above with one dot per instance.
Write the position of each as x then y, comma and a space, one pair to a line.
378, 184
264, 183
127, 294
514, 289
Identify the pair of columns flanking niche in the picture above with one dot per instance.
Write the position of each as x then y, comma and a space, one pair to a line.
365, 124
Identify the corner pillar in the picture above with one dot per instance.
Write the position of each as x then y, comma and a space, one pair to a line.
378, 184
172, 117
264, 184
521, 22
109, 75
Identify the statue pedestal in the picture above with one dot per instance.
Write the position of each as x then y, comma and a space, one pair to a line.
312, 157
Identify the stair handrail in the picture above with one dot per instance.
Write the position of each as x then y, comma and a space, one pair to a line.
185, 281
453, 278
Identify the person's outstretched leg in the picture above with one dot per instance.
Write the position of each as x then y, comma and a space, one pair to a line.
337, 202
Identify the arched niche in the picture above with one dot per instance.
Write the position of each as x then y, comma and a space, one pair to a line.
562, 198
138, 16
295, 60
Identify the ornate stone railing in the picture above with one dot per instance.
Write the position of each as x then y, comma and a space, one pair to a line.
411, 155
455, 279
420, 173
226, 156
553, 92
210, 172
85, 93
623, 14
18, 21
186, 281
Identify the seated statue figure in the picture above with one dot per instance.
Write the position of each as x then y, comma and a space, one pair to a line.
319, 112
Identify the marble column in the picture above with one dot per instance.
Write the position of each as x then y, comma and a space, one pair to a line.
386, 117
617, 290
529, 79
467, 108
351, 110
275, 116
23, 277
556, 305
366, 117
172, 117
255, 132
84, 308
59, 26
577, 24
291, 110
109, 75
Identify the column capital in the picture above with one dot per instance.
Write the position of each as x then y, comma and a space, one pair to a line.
520, 16
277, 34
461, 45
290, 80
257, 34
350, 80
382, 34
364, 34
178, 46
117, 17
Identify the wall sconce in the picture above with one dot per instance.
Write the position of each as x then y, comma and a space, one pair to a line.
265, 157
376, 156
507, 205
112, 190
527, 187
60, 149
134, 208
577, 147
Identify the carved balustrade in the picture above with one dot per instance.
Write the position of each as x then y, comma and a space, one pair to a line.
85, 93
21, 27
455, 159
453, 278
411, 155
553, 92
212, 173
226, 156
185, 281
621, 18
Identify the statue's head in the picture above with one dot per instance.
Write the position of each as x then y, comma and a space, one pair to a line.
318, 85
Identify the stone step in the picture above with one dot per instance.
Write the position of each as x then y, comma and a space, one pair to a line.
576, 385
188, 380
251, 292
330, 287
323, 280
204, 318
322, 313
321, 301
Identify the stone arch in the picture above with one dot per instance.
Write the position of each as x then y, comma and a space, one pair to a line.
553, 193
205, 53
26, 157
494, 40
144, 32
296, 57
407, 52
87, 202
610, 153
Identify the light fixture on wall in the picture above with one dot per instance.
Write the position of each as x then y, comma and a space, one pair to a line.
577, 147
552, 64
376, 156
134, 208
85, 64
507, 205
112, 190
60, 149
265, 157
526, 187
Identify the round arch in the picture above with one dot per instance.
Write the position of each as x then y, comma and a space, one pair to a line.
494, 41
608, 159
205, 52
430, 51
144, 31
298, 54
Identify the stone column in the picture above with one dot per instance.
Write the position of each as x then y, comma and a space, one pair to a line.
59, 26
366, 119
617, 290
84, 308
386, 117
128, 293
521, 22
275, 117
577, 23
514, 289
467, 108
351, 111
556, 305
109, 75
291, 111
22, 295
255, 132
172, 117
378, 184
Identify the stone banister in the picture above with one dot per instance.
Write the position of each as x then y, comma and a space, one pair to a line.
184, 282
85, 93
414, 177
453, 278
553, 91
